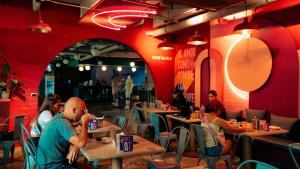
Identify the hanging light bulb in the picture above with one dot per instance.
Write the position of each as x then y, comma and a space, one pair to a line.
66, 61
87, 67
165, 45
132, 64
41, 26
197, 39
133, 69
81, 68
104, 68
119, 68
57, 64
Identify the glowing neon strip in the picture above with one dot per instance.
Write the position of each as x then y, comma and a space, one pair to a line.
241, 93
119, 11
124, 16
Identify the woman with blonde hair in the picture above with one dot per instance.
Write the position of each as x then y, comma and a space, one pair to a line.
49, 108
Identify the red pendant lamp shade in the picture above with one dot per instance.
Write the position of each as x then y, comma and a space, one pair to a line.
165, 45
246, 27
197, 39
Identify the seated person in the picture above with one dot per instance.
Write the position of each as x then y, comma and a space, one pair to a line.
49, 108
59, 134
212, 96
178, 100
221, 146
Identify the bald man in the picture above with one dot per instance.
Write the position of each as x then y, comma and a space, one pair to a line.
57, 137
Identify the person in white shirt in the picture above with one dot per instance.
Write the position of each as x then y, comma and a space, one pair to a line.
49, 108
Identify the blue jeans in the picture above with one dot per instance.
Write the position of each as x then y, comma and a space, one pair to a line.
214, 151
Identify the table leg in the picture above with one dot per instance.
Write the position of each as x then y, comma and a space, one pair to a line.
247, 152
170, 125
192, 138
116, 163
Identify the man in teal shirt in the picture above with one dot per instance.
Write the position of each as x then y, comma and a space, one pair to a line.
59, 134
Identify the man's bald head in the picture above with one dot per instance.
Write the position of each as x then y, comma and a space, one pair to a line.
74, 108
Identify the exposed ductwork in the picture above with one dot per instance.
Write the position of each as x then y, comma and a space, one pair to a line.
98, 52
206, 17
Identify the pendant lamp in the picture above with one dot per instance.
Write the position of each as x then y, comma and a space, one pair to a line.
41, 26
165, 45
197, 39
245, 27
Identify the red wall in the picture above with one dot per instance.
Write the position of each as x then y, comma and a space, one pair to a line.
279, 95
29, 53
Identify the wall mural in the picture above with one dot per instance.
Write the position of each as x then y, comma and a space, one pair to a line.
185, 70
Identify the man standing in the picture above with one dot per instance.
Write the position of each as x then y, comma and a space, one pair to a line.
57, 137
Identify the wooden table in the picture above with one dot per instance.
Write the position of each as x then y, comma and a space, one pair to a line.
149, 110
95, 151
107, 126
188, 121
248, 137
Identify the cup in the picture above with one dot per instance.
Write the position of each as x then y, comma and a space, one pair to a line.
92, 124
194, 116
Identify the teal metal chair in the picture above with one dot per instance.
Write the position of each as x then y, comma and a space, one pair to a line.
210, 161
142, 122
29, 149
184, 135
8, 144
292, 148
120, 120
161, 137
259, 165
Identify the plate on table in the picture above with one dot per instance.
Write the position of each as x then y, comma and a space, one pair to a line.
274, 127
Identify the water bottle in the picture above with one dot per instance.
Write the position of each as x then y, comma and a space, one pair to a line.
202, 113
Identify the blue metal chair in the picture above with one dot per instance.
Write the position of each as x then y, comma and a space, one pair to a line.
161, 137
29, 149
143, 124
292, 148
210, 161
184, 135
259, 165
120, 120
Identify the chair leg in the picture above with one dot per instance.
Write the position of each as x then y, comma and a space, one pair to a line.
228, 163
211, 163
12, 151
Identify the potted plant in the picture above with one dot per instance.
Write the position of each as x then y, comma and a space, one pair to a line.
10, 86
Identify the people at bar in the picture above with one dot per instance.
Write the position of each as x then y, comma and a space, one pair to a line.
54, 149
49, 108
212, 96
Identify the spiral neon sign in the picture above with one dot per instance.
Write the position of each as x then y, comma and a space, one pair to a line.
114, 14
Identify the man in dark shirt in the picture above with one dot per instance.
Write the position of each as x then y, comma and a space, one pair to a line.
212, 97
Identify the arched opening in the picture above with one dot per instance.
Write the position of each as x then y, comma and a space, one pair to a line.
97, 70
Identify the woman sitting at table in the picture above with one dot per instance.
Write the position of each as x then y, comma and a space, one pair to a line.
215, 141
49, 108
